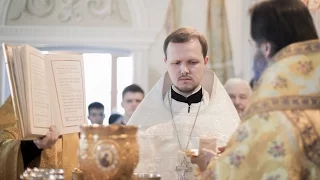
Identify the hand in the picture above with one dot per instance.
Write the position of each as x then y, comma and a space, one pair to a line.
49, 140
203, 159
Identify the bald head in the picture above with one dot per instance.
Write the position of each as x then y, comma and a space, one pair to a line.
239, 91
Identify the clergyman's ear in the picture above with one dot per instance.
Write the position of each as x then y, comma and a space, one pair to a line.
206, 59
266, 49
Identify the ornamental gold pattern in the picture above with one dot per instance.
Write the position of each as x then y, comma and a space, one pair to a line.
108, 152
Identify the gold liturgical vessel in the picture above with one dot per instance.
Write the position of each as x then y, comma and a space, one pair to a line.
108, 152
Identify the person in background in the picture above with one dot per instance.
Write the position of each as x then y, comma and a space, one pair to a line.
239, 91
131, 98
116, 119
96, 113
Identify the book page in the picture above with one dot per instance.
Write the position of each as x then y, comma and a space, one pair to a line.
29, 90
21, 81
38, 90
69, 86
40, 95
8, 55
66, 77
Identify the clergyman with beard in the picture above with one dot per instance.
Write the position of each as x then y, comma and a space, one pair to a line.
280, 135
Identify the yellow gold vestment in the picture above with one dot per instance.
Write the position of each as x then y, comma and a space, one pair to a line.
62, 155
280, 135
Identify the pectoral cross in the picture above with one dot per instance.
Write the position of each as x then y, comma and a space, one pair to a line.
184, 167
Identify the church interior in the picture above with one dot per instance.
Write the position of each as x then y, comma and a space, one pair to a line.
133, 31
121, 42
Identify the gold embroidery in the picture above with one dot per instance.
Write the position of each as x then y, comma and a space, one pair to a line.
280, 82
298, 48
9, 133
308, 133
11, 163
51, 158
7, 116
305, 67
282, 103
11, 159
264, 115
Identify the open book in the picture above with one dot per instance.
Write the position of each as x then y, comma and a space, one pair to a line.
46, 90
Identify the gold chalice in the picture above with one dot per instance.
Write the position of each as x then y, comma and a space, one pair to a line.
108, 152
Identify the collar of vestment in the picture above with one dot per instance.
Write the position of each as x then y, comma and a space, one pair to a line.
290, 82
156, 104
193, 98
158, 144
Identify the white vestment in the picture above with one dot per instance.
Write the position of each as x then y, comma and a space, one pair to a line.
160, 151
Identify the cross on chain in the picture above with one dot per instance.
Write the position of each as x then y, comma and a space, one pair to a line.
184, 167
184, 164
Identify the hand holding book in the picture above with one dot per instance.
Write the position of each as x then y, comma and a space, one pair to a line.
48, 140
46, 90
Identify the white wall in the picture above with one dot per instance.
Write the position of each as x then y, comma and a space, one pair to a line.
156, 11
4, 88
89, 31
145, 37
239, 35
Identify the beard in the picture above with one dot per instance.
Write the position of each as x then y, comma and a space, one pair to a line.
260, 63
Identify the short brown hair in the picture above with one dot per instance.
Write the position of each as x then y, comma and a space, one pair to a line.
132, 88
183, 35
